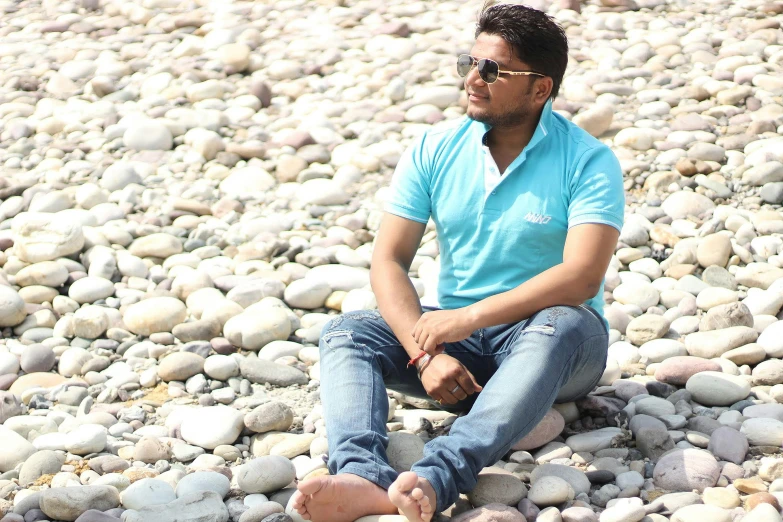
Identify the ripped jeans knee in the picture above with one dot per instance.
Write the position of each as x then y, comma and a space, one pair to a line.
346, 321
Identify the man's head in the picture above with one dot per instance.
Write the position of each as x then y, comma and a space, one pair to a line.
518, 38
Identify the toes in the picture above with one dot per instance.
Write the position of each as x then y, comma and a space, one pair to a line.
417, 494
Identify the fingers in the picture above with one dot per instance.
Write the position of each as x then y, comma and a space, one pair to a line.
430, 345
458, 391
447, 397
468, 382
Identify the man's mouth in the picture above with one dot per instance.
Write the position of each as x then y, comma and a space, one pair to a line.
476, 97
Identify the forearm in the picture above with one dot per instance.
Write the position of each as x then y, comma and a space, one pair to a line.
560, 285
398, 301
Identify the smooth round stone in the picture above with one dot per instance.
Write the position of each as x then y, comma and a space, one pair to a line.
339, 277
768, 372
180, 366
728, 444
595, 119
147, 492
487, 513
72, 360
307, 294
272, 416
545, 431
210, 427
247, 180
575, 477
12, 307
46, 236
86, 439
68, 503
277, 349
550, 491
654, 407
90, 289
726, 316
46, 273
153, 315
646, 328
261, 511
265, 474
404, 450
763, 432
148, 134
623, 513
682, 204
119, 175
90, 322
644, 295
593, 441
45, 462
203, 481
497, 486
700, 513
221, 367
659, 350
715, 343
9, 364
714, 250
156, 245
254, 329
629, 479
677, 370
35, 380
685, 470
713, 388
150, 450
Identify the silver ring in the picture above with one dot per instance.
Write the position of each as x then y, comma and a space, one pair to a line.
455, 389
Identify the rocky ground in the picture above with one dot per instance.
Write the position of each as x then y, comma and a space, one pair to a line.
190, 190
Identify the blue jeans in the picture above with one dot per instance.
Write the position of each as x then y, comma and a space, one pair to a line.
557, 354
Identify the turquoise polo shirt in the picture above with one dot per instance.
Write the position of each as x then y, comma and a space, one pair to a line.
497, 231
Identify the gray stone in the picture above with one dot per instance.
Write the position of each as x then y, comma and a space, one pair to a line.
68, 503
261, 372
272, 416
44, 462
204, 506
686, 470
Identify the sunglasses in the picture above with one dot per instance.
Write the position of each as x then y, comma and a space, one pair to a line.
488, 70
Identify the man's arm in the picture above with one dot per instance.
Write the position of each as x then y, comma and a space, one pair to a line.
396, 244
586, 256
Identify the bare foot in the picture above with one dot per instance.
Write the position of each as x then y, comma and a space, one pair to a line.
414, 497
341, 498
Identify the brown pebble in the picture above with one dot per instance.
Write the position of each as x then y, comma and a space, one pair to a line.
750, 486
761, 498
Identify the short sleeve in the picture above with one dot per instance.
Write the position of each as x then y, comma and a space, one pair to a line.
410, 186
597, 194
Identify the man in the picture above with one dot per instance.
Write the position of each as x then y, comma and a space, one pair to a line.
528, 209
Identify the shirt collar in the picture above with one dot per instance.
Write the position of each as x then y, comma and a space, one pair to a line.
542, 129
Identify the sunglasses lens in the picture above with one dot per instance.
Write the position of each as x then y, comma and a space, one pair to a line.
464, 64
488, 70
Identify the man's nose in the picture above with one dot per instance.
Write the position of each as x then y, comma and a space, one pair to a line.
473, 78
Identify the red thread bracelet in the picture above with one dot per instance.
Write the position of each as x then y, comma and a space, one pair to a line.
416, 359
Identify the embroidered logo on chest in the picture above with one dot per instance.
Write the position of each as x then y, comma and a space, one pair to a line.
540, 219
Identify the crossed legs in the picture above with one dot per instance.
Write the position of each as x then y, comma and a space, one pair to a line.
558, 348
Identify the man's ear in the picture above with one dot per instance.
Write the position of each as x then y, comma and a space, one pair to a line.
543, 89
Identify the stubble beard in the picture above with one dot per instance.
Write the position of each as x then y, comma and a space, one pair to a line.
506, 118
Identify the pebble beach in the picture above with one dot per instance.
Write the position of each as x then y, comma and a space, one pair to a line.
190, 190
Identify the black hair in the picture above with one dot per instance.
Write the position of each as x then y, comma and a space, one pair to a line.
534, 36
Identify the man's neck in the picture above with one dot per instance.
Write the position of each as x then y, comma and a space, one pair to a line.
513, 139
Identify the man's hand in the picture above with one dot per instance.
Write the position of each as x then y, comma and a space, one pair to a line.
433, 329
447, 380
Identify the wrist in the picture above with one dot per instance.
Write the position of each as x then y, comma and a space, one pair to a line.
473, 316
423, 363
